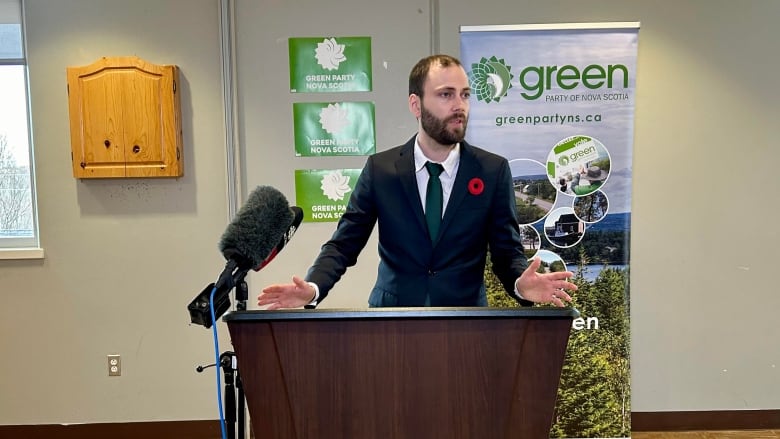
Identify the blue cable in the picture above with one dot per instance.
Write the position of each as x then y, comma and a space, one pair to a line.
216, 362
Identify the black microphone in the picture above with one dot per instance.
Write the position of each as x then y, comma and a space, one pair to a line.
260, 229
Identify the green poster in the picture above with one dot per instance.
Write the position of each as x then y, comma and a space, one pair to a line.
323, 194
334, 129
330, 64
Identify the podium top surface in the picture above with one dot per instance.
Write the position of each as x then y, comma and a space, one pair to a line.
403, 313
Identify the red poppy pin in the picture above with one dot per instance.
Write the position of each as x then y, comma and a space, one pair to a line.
476, 186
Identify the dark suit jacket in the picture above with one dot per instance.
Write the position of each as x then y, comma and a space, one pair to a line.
414, 269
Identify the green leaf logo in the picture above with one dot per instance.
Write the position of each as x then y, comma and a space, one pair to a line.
490, 79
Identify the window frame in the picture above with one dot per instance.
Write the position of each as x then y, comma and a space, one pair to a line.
24, 247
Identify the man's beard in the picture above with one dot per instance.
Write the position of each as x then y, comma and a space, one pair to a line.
437, 128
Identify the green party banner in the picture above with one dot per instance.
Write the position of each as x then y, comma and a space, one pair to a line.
557, 101
334, 129
323, 194
330, 64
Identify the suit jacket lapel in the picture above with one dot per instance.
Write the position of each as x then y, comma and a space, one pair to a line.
468, 168
405, 168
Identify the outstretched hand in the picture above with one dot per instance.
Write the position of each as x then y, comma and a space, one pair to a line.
545, 287
294, 295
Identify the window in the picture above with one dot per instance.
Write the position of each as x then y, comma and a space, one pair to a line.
18, 220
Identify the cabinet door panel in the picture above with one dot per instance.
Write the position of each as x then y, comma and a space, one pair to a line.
98, 150
143, 123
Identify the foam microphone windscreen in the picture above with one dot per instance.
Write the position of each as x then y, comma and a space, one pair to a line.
296, 222
257, 227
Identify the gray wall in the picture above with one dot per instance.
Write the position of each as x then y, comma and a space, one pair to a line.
265, 108
123, 258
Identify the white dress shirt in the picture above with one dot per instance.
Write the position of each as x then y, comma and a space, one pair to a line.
450, 165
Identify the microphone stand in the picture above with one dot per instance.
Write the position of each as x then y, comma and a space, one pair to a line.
226, 361
242, 294
234, 390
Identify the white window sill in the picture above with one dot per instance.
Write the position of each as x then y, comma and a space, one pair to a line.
21, 253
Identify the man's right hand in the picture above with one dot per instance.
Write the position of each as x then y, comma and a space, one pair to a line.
294, 295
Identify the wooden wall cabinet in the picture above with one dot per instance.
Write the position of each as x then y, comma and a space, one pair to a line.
125, 119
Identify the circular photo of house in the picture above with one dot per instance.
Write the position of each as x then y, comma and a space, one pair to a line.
534, 194
562, 227
578, 165
591, 208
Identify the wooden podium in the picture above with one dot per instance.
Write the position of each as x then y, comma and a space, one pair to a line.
405, 373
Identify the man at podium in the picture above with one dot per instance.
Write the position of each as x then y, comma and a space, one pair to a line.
440, 204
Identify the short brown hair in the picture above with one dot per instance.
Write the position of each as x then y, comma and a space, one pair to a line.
419, 72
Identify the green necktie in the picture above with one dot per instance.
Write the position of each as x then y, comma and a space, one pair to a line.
434, 199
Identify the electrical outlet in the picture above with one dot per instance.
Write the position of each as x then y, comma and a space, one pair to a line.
114, 365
